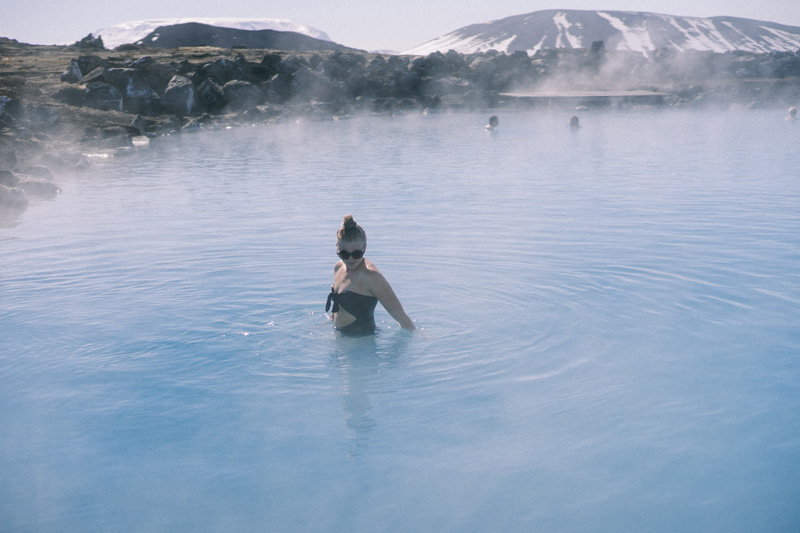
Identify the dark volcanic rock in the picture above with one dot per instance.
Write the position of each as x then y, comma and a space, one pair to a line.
211, 95
379, 79
195, 34
139, 96
88, 63
223, 70
73, 72
240, 95
8, 178
180, 96
12, 198
269, 65
137, 126
39, 171
8, 159
292, 64
169, 126
81, 67
278, 89
308, 85
446, 86
342, 65
96, 74
70, 95
139, 88
101, 95
90, 42
155, 75
39, 187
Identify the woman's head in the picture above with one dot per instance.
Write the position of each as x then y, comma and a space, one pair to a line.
350, 231
351, 242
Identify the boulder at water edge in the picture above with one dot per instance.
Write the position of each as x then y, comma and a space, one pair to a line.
39, 171
180, 96
8, 178
39, 187
12, 198
211, 95
8, 159
308, 85
240, 95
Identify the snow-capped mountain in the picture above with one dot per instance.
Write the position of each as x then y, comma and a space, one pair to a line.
130, 32
620, 30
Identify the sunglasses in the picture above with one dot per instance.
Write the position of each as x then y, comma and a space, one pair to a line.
356, 254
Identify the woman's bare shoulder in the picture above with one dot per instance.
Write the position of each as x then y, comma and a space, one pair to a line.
371, 269
376, 278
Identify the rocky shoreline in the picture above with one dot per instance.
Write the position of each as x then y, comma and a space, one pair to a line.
59, 103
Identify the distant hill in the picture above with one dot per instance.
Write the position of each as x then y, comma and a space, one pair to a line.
195, 34
135, 30
620, 30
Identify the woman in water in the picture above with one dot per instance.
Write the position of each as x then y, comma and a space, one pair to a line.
358, 286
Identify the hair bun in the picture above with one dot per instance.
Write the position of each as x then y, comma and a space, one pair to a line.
349, 223
350, 231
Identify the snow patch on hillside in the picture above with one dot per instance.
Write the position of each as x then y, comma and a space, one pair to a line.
635, 38
565, 38
703, 35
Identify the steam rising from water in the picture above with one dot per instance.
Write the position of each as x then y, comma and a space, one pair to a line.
680, 79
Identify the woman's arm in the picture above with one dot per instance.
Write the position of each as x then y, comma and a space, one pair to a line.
383, 292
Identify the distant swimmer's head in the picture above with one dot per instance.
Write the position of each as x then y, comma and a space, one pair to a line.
792, 113
494, 121
574, 122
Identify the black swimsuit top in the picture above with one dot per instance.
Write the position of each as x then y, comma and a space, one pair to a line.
359, 305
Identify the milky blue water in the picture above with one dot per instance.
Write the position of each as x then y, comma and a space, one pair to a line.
608, 330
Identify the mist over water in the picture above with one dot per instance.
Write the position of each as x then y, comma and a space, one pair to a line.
607, 330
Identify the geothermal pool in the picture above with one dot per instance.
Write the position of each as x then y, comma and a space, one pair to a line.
608, 330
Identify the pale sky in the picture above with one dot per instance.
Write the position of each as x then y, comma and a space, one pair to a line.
369, 25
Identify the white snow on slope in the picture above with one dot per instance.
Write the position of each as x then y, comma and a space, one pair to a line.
130, 32
782, 39
502, 45
636, 39
747, 41
565, 39
703, 35
630, 31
